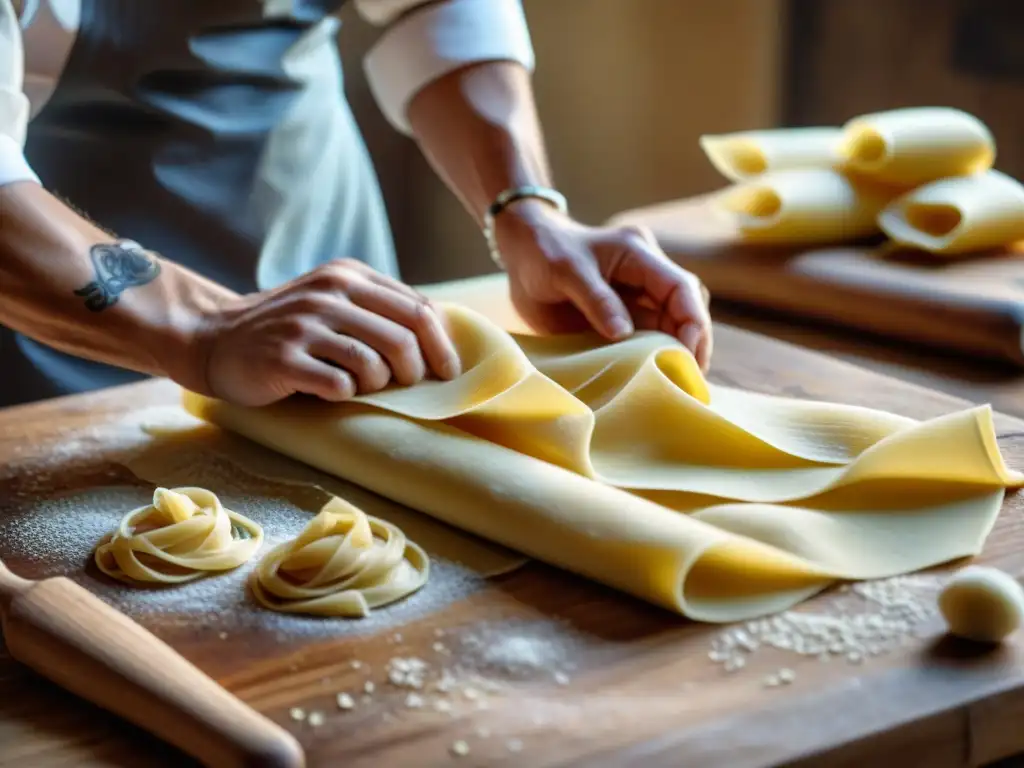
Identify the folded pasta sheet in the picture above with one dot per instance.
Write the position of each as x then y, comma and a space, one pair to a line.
913, 146
804, 207
958, 215
748, 154
621, 463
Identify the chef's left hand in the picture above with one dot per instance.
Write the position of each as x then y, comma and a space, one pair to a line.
566, 277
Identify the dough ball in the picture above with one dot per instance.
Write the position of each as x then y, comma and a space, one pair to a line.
982, 604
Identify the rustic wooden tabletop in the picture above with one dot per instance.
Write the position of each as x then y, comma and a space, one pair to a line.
605, 679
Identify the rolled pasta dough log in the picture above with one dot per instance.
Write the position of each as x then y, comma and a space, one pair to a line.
958, 215
539, 509
804, 206
748, 154
913, 146
469, 452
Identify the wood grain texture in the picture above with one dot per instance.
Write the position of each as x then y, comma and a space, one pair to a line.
79, 642
644, 691
974, 307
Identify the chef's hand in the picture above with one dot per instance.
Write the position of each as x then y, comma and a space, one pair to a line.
565, 277
339, 330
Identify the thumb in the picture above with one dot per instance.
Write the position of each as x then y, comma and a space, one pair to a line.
581, 282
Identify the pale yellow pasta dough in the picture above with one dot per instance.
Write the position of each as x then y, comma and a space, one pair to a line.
747, 154
982, 603
621, 463
912, 146
804, 206
183, 535
344, 563
958, 215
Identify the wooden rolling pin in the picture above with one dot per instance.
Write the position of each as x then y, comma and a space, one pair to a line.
83, 645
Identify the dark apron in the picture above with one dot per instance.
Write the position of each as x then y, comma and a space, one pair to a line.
210, 133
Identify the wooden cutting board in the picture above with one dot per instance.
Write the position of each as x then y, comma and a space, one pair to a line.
640, 687
973, 306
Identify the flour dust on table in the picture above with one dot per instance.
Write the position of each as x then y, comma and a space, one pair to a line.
57, 533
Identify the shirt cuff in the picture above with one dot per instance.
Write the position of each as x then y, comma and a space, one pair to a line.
441, 38
13, 165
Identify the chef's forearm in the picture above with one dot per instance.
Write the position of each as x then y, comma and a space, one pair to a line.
62, 283
479, 129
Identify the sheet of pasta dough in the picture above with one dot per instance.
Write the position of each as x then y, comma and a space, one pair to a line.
619, 462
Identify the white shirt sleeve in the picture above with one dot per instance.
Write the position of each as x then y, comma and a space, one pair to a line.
423, 44
14, 106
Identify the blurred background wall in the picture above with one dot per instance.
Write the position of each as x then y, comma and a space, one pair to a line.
625, 87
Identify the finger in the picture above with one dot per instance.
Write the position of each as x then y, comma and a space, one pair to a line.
646, 267
385, 281
706, 349
416, 316
581, 281
647, 315
560, 317
395, 343
364, 363
309, 376
676, 291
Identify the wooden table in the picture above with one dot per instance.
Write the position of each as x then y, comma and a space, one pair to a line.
980, 381
643, 691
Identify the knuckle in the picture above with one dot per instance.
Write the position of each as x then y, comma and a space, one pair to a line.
424, 317
366, 364
309, 304
404, 347
293, 328
340, 384
563, 267
406, 343
285, 360
331, 277
606, 304
346, 263
635, 233
376, 378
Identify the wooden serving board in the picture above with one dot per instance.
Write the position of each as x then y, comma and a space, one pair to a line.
641, 687
973, 306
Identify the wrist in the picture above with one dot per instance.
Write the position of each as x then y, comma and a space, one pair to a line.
519, 210
182, 340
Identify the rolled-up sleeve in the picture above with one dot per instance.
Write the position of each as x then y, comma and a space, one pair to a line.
425, 40
14, 106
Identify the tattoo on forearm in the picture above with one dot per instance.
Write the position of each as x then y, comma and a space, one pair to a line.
119, 266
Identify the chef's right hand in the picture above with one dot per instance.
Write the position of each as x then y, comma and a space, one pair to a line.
340, 330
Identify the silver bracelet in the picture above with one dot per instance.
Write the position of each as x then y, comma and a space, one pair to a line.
550, 196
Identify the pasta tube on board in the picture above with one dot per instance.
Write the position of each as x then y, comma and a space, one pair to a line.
748, 154
908, 147
804, 206
958, 215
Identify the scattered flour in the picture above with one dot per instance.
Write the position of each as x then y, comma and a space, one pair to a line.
521, 650
52, 516
868, 619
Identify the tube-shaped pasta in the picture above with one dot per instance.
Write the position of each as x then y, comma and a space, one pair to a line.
747, 154
958, 215
804, 206
913, 146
